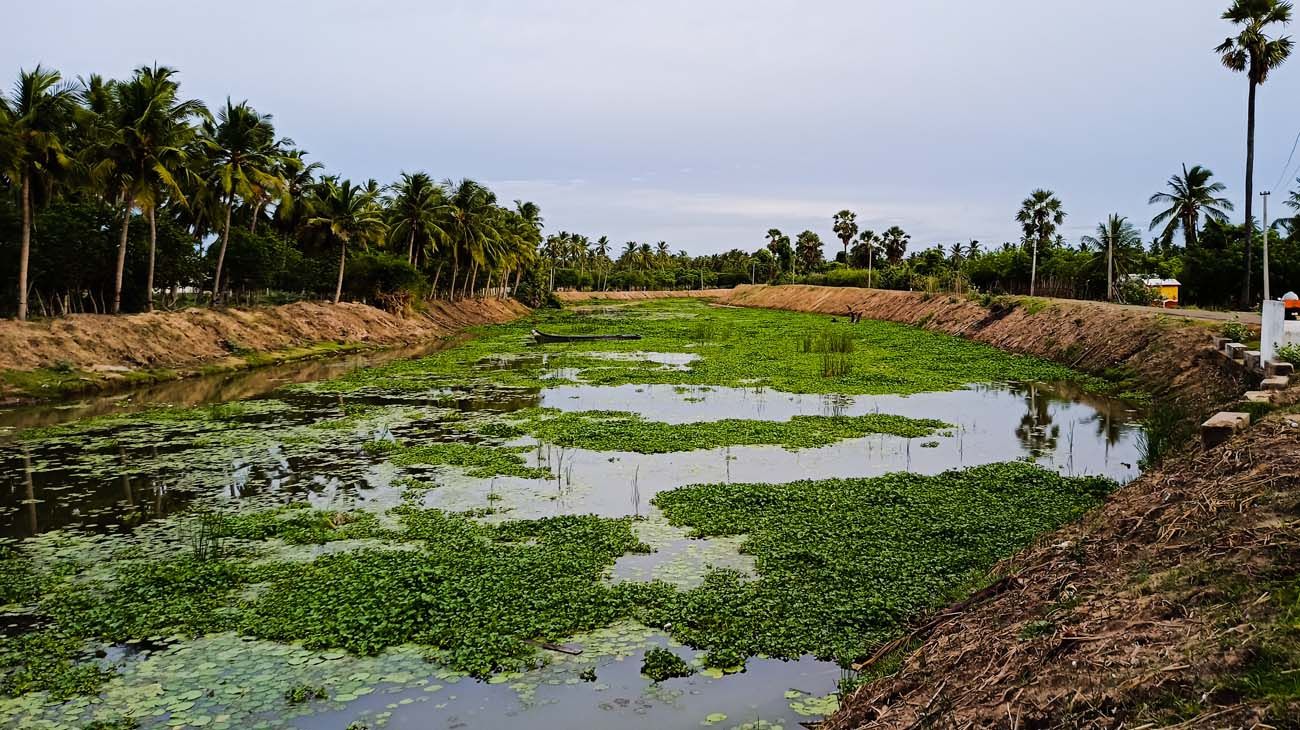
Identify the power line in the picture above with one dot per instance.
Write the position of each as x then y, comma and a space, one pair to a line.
1287, 167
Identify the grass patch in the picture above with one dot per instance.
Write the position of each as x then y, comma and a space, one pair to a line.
619, 431
477, 460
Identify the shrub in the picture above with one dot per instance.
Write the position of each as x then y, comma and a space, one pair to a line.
1290, 353
1235, 331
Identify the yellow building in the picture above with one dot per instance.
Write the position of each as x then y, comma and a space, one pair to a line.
1164, 291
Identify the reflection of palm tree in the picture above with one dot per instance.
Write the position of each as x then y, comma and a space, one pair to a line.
1036, 431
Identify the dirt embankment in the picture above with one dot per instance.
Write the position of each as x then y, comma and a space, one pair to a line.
1174, 604
96, 350
1157, 351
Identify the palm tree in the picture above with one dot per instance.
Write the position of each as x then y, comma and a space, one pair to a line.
894, 242
1114, 236
1254, 52
468, 224
150, 129
415, 213
1193, 194
1293, 202
846, 227
35, 118
245, 159
601, 250
1039, 217
662, 252
868, 240
348, 214
972, 249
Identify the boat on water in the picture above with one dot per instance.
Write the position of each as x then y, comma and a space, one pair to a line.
540, 336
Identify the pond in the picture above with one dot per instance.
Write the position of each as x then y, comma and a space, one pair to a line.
495, 534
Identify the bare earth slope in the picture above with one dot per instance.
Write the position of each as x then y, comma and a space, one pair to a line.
1173, 604
199, 337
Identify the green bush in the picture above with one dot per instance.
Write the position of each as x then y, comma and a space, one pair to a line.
1236, 331
374, 275
1290, 353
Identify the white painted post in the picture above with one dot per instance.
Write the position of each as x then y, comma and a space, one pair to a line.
1271, 329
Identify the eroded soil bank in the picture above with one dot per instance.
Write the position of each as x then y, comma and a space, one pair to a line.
1160, 352
1178, 601
88, 352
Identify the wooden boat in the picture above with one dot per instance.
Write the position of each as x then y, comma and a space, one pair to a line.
543, 337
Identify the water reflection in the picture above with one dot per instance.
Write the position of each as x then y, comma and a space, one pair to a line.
129, 473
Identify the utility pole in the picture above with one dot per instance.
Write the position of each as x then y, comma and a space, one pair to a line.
1265, 195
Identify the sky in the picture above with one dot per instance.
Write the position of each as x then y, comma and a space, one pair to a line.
704, 124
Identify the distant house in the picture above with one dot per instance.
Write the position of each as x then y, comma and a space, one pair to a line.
1164, 291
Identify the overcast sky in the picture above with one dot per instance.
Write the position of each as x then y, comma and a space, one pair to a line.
704, 123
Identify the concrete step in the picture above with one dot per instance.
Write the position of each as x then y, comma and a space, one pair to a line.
1258, 396
1277, 382
1222, 426
1279, 367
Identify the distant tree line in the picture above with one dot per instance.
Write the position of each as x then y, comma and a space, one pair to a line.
123, 195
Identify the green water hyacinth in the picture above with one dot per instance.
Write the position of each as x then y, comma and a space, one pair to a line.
618, 431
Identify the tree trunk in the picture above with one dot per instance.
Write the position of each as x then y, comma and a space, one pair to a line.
1033, 269
343, 257
471, 284
153, 248
121, 255
437, 273
519, 275
1110, 270
252, 227
451, 293
1250, 194
410, 248
221, 255
24, 252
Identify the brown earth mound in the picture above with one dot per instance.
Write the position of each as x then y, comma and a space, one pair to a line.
200, 336
1173, 604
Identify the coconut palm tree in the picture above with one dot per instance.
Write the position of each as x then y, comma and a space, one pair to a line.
845, 227
1254, 52
245, 159
973, 249
468, 223
894, 242
34, 121
1041, 214
1191, 194
415, 214
662, 253
349, 214
1116, 237
150, 127
601, 250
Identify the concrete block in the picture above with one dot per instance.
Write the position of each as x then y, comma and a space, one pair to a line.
1222, 426
1277, 382
1254, 360
1235, 350
1219, 342
1258, 396
1279, 367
